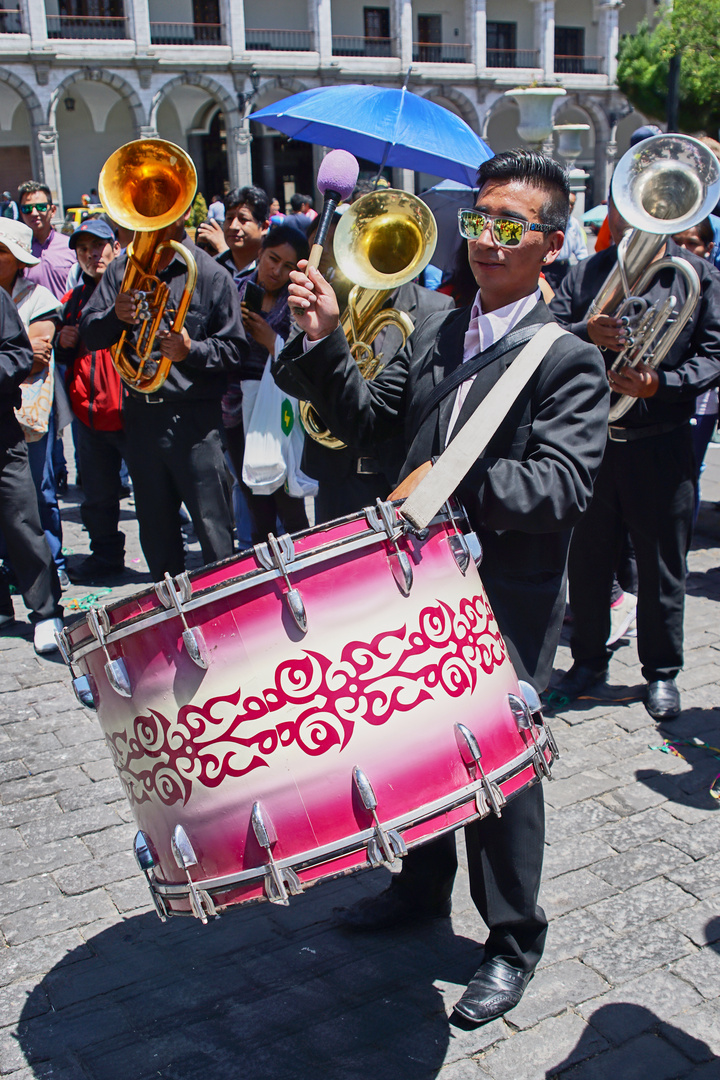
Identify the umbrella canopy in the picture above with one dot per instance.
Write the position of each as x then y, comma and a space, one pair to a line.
596, 216
390, 126
445, 199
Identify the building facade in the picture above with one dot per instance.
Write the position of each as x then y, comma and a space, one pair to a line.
80, 77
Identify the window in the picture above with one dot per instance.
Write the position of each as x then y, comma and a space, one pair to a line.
501, 44
429, 38
569, 49
377, 22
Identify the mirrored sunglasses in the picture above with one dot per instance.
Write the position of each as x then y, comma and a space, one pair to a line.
41, 207
506, 231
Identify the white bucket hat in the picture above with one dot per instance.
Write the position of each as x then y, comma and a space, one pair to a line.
17, 238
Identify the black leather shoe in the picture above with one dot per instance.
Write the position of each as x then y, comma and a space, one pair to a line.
495, 989
577, 681
663, 699
94, 571
387, 910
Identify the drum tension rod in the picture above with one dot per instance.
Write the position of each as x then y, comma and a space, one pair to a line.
490, 797
175, 593
386, 845
83, 686
117, 674
381, 518
526, 722
279, 880
534, 704
200, 901
464, 546
277, 554
146, 861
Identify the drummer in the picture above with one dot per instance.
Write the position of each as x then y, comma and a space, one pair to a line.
522, 497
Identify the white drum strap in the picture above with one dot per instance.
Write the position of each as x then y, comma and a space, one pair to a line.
471, 441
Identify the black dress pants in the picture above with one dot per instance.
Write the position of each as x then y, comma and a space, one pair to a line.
100, 455
26, 542
505, 857
174, 453
648, 486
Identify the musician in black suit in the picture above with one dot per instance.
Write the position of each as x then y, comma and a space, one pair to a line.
523, 497
647, 480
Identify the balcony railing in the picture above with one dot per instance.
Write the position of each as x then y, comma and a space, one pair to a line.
513, 58
186, 33
579, 65
10, 21
440, 52
279, 40
83, 26
346, 45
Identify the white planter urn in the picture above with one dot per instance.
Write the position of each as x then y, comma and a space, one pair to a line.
535, 104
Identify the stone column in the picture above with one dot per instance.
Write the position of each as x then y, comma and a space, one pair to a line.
401, 30
544, 36
232, 16
609, 36
138, 17
238, 154
476, 31
320, 22
34, 22
49, 159
147, 131
404, 180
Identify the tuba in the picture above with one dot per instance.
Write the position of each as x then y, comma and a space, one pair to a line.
146, 186
385, 239
662, 186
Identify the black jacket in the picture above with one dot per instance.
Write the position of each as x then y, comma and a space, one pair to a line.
16, 358
213, 323
692, 365
528, 490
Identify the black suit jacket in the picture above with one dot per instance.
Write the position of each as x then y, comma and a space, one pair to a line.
535, 479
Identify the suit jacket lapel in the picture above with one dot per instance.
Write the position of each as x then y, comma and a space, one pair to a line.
448, 355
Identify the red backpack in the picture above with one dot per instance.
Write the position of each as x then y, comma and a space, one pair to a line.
93, 383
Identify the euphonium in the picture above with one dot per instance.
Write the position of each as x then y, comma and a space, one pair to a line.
384, 240
146, 186
663, 185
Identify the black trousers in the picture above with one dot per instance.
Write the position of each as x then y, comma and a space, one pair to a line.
648, 486
265, 510
26, 542
174, 453
505, 857
99, 456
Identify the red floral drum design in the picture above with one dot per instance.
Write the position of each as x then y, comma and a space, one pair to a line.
320, 703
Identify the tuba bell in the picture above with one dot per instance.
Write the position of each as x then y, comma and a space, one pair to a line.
146, 186
663, 185
385, 239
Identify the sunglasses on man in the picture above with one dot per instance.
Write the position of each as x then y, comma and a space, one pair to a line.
506, 231
41, 207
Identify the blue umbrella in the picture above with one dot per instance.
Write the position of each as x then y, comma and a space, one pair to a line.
391, 126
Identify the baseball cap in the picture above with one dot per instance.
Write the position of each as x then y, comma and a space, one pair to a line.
645, 132
93, 227
17, 238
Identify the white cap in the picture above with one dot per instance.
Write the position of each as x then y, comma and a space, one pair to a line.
17, 238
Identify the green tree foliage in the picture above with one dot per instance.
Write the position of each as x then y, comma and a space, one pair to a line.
692, 29
199, 210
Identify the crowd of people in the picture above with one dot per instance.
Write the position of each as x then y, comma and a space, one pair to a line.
556, 486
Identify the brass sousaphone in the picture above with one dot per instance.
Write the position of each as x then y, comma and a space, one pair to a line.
385, 239
146, 186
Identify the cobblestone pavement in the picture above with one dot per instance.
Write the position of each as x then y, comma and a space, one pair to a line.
94, 986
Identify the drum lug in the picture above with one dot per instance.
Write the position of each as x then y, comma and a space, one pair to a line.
491, 796
279, 880
535, 705
525, 720
278, 553
464, 546
386, 845
146, 861
381, 518
200, 901
175, 593
117, 674
83, 686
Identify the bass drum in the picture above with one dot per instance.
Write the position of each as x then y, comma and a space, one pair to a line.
311, 707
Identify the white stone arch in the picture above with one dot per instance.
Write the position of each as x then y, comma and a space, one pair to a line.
35, 114
212, 88
460, 102
275, 90
109, 78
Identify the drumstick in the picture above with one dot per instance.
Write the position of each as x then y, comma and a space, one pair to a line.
336, 178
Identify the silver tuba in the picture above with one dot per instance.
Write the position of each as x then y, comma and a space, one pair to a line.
663, 185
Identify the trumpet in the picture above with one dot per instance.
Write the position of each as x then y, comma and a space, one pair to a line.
383, 241
146, 186
664, 185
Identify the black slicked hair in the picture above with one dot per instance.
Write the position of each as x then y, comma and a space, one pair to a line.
254, 198
536, 170
287, 234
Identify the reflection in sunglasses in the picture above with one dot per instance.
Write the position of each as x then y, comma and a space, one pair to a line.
506, 231
41, 208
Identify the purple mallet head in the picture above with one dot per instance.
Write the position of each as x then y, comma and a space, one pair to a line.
338, 172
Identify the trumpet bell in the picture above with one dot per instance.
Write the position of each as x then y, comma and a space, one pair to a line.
385, 239
147, 184
666, 184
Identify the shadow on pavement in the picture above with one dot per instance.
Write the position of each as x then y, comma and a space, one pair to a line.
689, 788
642, 1047
260, 994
